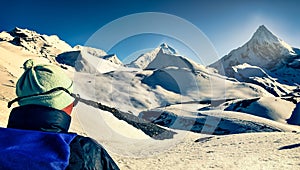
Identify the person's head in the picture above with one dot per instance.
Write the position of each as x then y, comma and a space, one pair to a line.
45, 85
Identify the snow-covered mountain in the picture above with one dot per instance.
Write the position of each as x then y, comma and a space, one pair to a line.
91, 60
164, 75
42, 45
265, 60
145, 59
162, 57
264, 49
98, 53
168, 78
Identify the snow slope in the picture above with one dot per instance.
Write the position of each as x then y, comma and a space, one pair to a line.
138, 90
272, 151
267, 107
256, 75
200, 84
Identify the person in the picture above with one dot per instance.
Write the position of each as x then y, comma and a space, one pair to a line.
37, 134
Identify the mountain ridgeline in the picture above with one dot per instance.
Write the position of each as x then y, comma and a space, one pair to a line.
263, 73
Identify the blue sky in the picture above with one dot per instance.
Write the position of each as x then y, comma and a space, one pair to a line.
228, 24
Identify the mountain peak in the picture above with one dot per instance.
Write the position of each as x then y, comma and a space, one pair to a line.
164, 45
18, 29
19, 32
166, 49
264, 40
264, 50
262, 28
162, 51
262, 34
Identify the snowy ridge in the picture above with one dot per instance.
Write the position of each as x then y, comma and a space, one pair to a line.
90, 60
256, 75
43, 45
92, 51
98, 53
85, 62
143, 60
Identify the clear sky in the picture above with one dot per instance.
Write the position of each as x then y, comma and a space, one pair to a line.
228, 24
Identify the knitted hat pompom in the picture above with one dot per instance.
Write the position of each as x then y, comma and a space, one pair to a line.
28, 64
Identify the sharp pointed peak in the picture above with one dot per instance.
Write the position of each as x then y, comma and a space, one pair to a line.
263, 34
167, 49
262, 28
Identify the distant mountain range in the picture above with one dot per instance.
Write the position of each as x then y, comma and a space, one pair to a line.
264, 69
150, 106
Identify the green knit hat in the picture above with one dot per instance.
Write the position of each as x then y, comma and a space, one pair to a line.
42, 78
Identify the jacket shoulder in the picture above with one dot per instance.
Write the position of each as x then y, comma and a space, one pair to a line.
86, 153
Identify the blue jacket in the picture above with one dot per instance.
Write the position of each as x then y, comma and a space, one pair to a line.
51, 126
